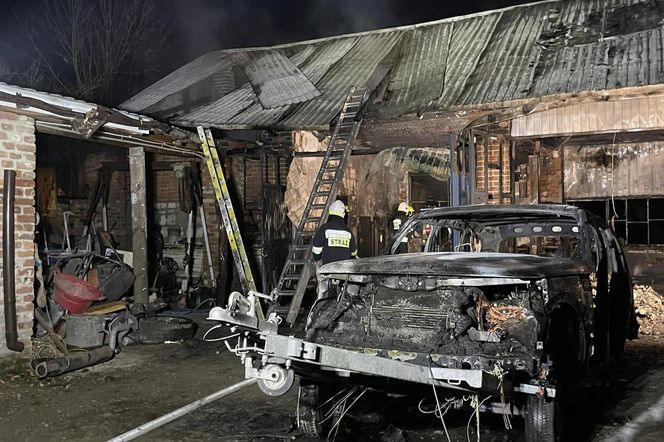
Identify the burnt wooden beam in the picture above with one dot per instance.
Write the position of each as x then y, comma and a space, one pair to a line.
139, 224
533, 179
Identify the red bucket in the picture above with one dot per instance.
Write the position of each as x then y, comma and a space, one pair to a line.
74, 294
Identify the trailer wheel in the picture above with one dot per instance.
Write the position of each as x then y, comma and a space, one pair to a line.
280, 382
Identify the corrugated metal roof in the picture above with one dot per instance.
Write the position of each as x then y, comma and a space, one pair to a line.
411, 82
528, 51
354, 68
189, 74
277, 81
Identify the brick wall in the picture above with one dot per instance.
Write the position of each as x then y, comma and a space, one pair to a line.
55, 155
17, 152
550, 173
493, 173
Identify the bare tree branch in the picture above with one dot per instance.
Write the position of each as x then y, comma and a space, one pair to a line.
92, 48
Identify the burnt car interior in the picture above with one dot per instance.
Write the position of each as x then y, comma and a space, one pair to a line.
556, 237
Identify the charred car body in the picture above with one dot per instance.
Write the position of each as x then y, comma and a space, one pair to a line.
512, 304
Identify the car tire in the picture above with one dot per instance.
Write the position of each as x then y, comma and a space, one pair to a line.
315, 414
540, 417
158, 329
309, 414
619, 316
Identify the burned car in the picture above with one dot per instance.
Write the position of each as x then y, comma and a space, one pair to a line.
500, 308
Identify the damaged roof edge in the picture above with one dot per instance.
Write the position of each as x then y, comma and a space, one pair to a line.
55, 114
508, 109
192, 124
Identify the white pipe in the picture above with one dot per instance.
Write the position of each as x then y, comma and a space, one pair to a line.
156, 423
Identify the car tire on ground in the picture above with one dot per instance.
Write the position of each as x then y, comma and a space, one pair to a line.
619, 315
316, 416
158, 329
540, 419
309, 415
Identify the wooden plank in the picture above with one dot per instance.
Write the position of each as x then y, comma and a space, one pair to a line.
533, 179
139, 223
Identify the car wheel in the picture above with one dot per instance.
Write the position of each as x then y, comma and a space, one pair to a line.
158, 329
317, 410
309, 415
619, 314
540, 419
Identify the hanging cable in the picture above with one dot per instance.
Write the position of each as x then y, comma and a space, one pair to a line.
435, 395
474, 402
613, 199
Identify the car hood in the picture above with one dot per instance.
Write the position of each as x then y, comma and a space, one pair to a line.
456, 264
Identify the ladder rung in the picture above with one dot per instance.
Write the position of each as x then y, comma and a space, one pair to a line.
286, 293
292, 277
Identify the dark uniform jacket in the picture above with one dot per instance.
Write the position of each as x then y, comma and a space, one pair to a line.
334, 241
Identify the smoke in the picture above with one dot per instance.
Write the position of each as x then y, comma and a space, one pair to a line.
206, 25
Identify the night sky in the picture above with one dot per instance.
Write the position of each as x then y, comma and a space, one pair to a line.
199, 26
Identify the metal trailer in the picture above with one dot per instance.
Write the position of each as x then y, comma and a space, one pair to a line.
274, 360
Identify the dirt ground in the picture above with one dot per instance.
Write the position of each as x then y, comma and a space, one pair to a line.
144, 382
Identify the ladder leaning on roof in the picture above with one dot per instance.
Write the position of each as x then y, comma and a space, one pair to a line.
228, 214
297, 270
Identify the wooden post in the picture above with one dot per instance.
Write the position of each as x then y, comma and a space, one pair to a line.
500, 170
533, 179
139, 220
472, 167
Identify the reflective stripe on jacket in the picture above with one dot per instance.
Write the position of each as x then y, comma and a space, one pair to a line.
334, 241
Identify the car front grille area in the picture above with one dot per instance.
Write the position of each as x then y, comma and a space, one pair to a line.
420, 318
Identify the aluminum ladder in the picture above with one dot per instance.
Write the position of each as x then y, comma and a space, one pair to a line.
228, 214
297, 272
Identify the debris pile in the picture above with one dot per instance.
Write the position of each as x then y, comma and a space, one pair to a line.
649, 308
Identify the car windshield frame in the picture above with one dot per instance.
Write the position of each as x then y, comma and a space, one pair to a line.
507, 226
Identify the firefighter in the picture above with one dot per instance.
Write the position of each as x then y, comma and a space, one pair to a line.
332, 242
404, 212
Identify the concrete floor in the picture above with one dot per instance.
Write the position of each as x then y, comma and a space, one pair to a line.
144, 382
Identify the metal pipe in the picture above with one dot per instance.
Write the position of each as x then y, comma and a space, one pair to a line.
160, 421
57, 366
8, 261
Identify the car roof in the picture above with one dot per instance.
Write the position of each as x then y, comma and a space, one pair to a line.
484, 211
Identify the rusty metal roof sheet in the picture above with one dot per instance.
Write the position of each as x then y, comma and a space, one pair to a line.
528, 51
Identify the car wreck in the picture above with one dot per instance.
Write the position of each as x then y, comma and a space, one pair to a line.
509, 305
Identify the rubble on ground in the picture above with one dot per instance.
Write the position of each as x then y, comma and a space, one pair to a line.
649, 310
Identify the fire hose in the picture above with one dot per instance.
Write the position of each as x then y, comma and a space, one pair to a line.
163, 420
